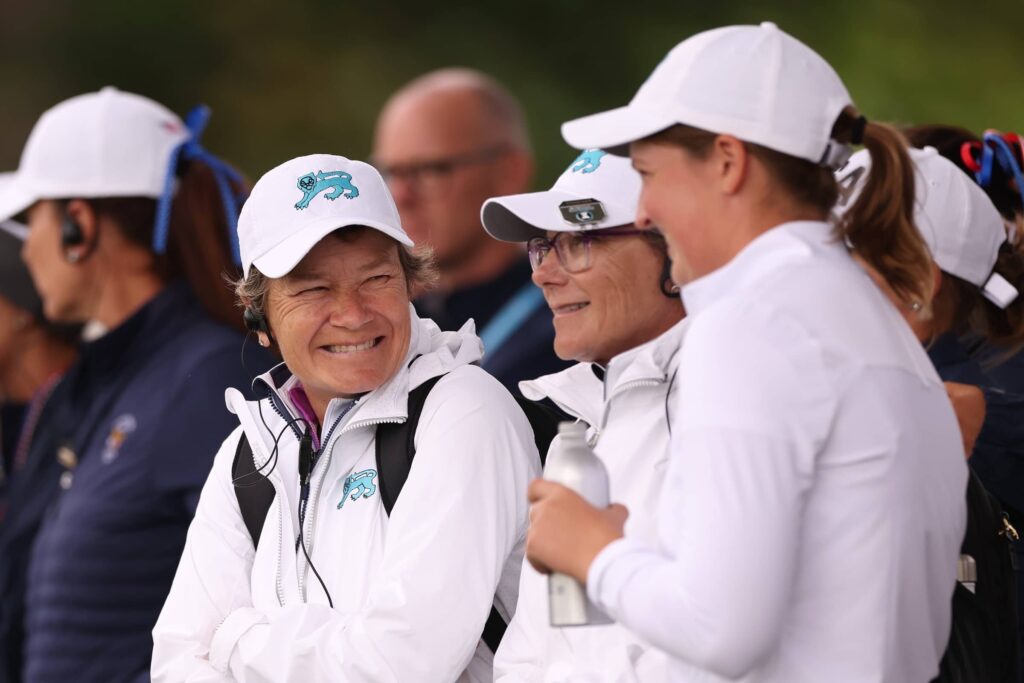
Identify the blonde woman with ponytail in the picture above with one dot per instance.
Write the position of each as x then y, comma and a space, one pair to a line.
813, 511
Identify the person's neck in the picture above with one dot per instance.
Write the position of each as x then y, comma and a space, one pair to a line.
40, 358
124, 294
486, 263
749, 225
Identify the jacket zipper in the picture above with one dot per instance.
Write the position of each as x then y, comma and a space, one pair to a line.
309, 518
311, 510
282, 412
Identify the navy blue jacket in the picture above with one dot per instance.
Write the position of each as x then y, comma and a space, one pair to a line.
528, 352
136, 424
29, 492
998, 456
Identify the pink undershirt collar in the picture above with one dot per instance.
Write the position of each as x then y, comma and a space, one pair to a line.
301, 402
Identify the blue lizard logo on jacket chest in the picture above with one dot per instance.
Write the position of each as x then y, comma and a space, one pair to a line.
358, 485
312, 184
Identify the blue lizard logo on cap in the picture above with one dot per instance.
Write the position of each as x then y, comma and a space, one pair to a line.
589, 161
313, 184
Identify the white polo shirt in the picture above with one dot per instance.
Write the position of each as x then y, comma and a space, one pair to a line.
814, 508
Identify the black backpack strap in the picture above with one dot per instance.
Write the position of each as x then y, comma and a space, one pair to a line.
494, 630
254, 491
544, 417
395, 448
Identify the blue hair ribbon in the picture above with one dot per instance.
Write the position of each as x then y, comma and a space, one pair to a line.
191, 150
996, 149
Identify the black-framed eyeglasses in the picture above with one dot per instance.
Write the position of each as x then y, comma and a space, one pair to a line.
434, 171
573, 248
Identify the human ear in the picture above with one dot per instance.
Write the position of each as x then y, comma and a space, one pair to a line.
732, 161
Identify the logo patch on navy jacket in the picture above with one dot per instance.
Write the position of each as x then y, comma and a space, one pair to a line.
358, 485
123, 426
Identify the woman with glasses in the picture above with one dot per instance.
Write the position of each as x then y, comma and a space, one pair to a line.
617, 313
444, 143
813, 508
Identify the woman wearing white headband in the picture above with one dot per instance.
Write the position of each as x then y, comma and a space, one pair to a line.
617, 312
814, 505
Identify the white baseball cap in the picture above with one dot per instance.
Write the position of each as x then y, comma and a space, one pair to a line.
958, 222
13, 228
102, 144
754, 82
594, 177
296, 204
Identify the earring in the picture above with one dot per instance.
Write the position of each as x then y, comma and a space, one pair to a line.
263, 341
915, 306
72, 256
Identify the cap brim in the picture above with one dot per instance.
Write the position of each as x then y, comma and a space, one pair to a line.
283, 257
15, 230
613, 130
520, 217
14, 198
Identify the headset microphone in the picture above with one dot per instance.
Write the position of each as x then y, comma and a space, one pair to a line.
305, 456
256, 322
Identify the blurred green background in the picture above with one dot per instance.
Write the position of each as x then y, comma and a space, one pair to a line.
286, 79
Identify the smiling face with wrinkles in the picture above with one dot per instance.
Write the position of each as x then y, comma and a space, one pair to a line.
614, 305
341, 316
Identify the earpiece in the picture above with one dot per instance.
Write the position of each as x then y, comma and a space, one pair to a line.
71, 234
256, 322
668, 287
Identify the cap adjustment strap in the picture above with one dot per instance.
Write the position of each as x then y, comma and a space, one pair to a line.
999, 291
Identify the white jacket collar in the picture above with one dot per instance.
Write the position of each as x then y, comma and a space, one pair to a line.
770, 251
431, 353
576, 390
651, 361
580, 393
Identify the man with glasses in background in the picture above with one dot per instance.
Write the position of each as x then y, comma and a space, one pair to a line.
445, 143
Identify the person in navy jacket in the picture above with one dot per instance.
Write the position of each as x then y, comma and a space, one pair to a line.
130, 229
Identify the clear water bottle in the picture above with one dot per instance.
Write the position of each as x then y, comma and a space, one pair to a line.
572, 463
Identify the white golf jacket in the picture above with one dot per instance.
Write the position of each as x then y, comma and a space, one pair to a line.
411, 591
629, 430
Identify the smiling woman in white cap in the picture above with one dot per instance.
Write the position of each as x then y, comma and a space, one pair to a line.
350, 581
617, 313
813, 510
128, 222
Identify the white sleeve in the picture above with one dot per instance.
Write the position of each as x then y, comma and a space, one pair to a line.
752, 414
460, 514
212, 580
526, 646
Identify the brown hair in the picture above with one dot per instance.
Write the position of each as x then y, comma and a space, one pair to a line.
879, 226
198, 247
961, 307
417, 263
